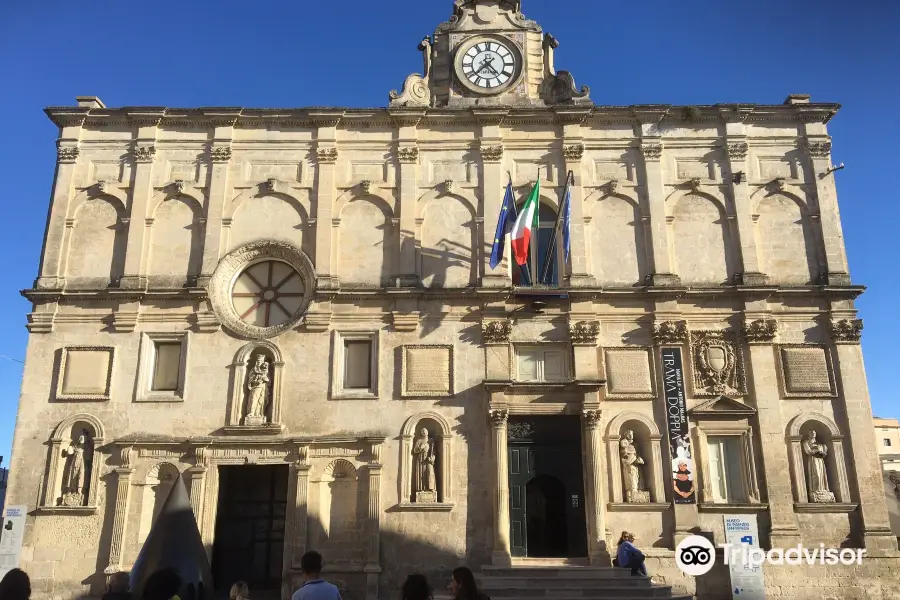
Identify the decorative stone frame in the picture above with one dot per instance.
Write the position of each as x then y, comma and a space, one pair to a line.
337, 365
61, 374
147, 364
835, 464
732, 420
730, 343
651, 362
460, 50
404, 372
568, 353
783, 380
239, 376
650, 446
56, 466
445, 439
236, 262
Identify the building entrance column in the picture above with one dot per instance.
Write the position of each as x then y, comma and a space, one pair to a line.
595, 496
501, 553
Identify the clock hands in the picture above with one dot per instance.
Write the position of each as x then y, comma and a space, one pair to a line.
487, 63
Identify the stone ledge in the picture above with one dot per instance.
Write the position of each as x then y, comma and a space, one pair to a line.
735, 508
824, 507
66, 510
268, 429
425, 507
636, 507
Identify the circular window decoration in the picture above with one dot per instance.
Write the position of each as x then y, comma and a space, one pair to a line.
263, 288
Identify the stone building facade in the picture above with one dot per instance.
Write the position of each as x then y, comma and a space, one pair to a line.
293, 310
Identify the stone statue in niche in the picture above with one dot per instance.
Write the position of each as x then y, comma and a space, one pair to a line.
75, 477
257, 391
631, 470
816, 475
424, 482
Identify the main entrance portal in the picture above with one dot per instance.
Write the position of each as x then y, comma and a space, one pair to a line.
249, 542
546, 487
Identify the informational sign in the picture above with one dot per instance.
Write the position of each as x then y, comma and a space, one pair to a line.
12, 530
747, 581
676, 418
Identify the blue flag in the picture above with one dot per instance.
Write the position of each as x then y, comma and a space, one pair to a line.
505, 221
566, 218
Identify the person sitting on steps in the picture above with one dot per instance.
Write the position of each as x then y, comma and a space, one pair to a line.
629, 557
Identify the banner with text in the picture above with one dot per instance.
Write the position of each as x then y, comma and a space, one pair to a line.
676, 418
12, 530
747, 581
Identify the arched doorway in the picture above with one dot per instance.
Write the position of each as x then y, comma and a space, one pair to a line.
545, 515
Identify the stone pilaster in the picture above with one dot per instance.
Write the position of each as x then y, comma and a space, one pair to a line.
596, 494
408, 159
299, 534
373, 564
737, 150
326, 156
50, 275
492, 183
120, 520
143, 155
220, 155
501, 554
573, 153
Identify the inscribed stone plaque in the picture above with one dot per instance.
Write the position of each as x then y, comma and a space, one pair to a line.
85, 373
806, 372
428, 371
628, 373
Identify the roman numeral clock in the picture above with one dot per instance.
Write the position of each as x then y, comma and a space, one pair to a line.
488, 65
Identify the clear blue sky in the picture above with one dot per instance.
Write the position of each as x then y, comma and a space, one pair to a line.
351, 53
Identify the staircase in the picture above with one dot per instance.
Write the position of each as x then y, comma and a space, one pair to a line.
531, 579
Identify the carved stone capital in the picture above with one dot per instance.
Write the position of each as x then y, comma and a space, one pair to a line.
819, 149
498, 417
670, 333
126, 457
738, 150
592, 418
67, 154
201, 456
144, 154
220, 154
408, 155
761, 331
327, 156
651, 152
584, 332
573, 152
847, 331
496, 332
492, 154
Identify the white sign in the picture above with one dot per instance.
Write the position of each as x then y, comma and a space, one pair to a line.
12, 530
747, 581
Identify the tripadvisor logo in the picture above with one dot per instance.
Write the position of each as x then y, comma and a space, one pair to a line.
696, 555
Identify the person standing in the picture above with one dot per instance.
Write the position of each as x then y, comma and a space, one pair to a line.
463, 586
314, 588
15, 585
416, 587
629, 557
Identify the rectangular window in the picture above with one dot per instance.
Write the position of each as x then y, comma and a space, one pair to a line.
541, 364
725, 478
357, 364
887, 442
167, 366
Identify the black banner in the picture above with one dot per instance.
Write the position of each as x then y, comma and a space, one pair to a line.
679, 436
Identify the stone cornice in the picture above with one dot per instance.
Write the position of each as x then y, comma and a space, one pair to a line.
316, 116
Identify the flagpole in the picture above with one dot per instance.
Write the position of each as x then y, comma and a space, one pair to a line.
559, 216
515, 213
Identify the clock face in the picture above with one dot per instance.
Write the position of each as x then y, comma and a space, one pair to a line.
488, 64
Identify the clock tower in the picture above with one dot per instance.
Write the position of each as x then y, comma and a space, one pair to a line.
489, 54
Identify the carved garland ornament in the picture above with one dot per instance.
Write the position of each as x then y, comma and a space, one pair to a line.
327, 156
235, 263
847, 331
819, 149
717, 365
408, 155
144, 154
492, 153
670, 333
652, 151
584, 332
761, 330
496, 332
220, 154
573, 151
66, 154
738, 150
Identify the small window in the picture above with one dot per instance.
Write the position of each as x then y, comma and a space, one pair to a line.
887, 442
357, 364
725, 476
541, 364
167, 366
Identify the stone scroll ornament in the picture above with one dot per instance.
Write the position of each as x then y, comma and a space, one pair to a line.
257, 392
816, 472
631, 470
77, 473
424, 459
416, 88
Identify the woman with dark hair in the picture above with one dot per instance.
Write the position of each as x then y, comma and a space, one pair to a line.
463, 585
15, 585
416, 588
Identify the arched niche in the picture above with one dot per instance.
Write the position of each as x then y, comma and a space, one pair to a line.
702, 239
647, 442
618, 240
439, 431
788, 244
446, 233
96, 239
339, 502
156, 487
828, 433
368, 244
176, 241
245, 361
74, 465
269, 214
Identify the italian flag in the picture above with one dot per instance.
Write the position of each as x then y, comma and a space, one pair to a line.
525, 224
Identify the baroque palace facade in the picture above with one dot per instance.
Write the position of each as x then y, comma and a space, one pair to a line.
293, 310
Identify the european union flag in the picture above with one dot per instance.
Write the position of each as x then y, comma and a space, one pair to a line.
504, 223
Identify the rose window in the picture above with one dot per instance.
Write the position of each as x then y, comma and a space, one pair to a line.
268, 293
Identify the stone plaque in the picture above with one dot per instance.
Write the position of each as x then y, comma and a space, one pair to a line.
427, 371
628, 373
85, 373
806, 372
